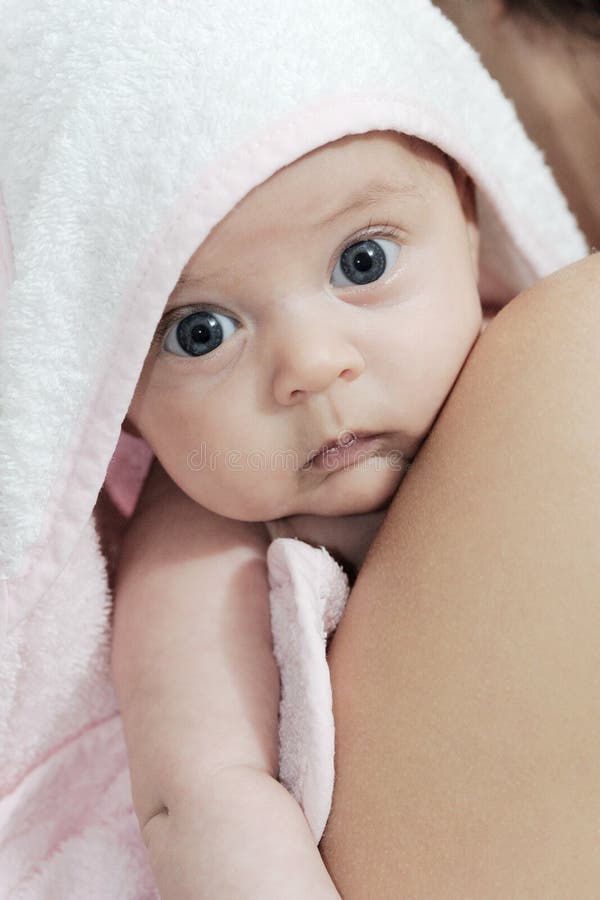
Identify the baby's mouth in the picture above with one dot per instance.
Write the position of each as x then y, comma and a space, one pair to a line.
344, 450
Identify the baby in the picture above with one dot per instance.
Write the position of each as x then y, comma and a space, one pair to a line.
298, 366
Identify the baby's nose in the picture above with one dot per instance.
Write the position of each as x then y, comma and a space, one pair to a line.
311, 356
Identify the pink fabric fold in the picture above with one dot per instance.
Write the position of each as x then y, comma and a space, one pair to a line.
68, 830
308, 596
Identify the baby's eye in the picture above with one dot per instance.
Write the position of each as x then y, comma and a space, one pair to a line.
199, 333
364, 262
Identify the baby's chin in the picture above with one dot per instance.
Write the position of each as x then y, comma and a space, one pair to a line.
347, 494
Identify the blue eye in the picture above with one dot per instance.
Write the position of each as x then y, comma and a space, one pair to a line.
364, 262
199, 333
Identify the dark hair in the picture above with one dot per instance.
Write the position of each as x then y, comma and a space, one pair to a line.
577, 16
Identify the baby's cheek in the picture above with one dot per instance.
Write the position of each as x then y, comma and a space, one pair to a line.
226, 486
432, 390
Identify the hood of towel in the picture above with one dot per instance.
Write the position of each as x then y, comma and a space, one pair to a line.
129, 128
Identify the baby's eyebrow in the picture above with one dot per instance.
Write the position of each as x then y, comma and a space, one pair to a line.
189, 279
196, 281
368, 196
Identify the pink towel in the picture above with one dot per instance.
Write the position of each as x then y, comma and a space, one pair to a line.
308, 595
67, 821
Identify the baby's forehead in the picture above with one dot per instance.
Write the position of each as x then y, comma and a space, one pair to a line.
334, 182
375, 155
375, 165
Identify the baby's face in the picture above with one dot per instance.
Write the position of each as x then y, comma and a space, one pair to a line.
336, 302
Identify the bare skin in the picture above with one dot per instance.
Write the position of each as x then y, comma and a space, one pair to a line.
465, 671
192, 656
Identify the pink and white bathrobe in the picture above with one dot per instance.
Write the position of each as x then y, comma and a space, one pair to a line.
128, 128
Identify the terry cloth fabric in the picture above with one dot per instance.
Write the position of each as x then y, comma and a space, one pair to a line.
128, 129
308, 593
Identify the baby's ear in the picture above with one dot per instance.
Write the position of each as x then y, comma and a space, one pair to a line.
465, 188
129, 427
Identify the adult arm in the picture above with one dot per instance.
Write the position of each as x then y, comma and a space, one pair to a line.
466, 669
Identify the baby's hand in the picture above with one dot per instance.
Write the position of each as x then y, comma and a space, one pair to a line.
199, 692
